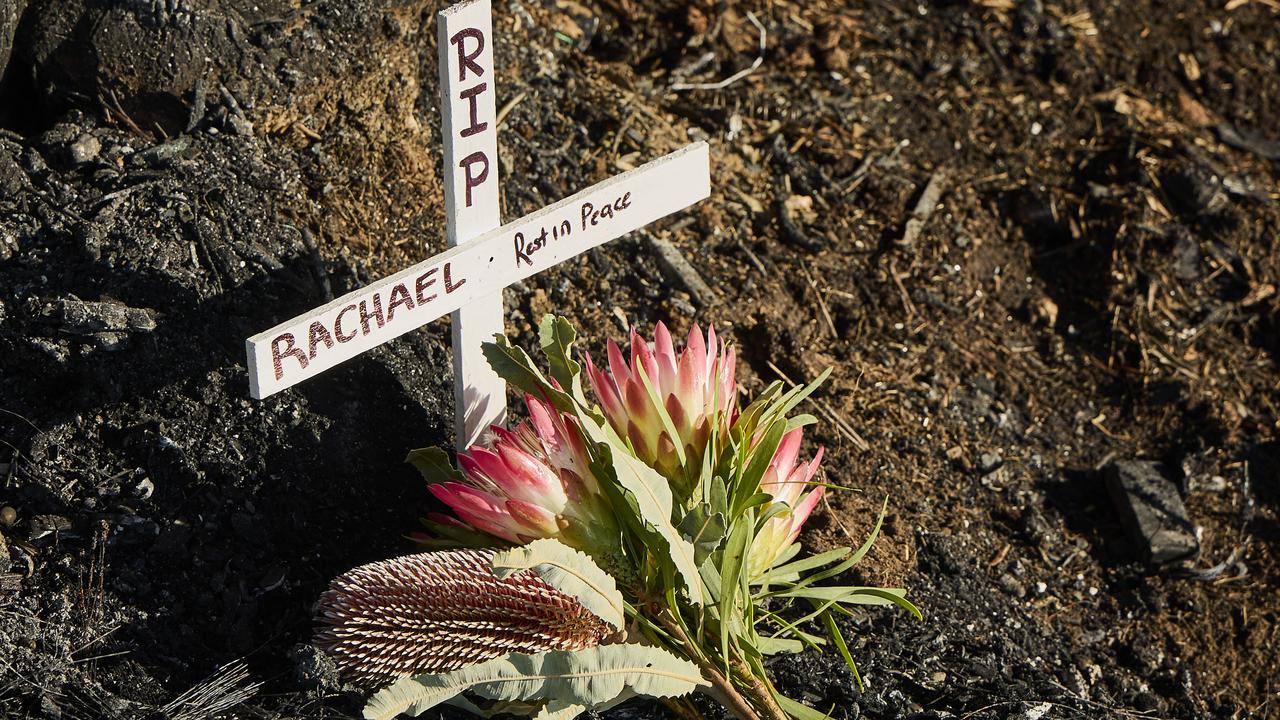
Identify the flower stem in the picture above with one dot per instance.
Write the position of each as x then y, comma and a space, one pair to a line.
723, 688
760, 691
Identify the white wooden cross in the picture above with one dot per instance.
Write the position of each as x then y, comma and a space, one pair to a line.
483, 258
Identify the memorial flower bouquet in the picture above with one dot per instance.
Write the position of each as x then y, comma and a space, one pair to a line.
637, 540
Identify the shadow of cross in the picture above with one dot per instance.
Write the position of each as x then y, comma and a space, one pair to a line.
467, 279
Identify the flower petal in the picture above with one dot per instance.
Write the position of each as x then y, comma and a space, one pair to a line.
802, 511
535, 518
478, 509
529, 479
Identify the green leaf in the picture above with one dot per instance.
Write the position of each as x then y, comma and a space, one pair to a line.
732, 569
652, 497
800, 421
746, 490
568, 570
782, 572
787, 402
875, 533
434, 464
838, 638
589, 677
704, 529
716, 495
775, 646
772, 510
799, 711
516, 367
710, 580
556, 336
855, 596
744, 427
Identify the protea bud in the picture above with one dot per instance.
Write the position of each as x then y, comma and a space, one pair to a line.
439, 611
786, 481
533, 482
696, 388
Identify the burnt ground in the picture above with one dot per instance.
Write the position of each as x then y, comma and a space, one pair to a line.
1096, 282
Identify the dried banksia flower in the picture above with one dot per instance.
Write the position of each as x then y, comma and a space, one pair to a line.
439, 611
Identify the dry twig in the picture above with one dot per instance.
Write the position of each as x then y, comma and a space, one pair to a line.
755, 65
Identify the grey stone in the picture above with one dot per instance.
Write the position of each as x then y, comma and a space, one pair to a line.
85, 149
312, 668
89, 318
1151, 508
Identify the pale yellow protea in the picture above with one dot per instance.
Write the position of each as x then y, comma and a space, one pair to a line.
695, 387
786, 480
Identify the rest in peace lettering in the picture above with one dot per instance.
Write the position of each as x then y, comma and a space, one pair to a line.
590, 216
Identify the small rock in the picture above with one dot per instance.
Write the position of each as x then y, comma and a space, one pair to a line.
42, 525
683, 306
989, 462
85, 149
57, 352
1035, 712
1151, 508
143, 488
1037, 527
1010, 585
312, 668
163, 155
50, 708
90, 318
8, 516
110, 341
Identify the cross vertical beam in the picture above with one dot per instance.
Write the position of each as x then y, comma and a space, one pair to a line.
469, 118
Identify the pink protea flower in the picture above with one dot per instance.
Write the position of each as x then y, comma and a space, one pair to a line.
532, 482
695, 386
786, 481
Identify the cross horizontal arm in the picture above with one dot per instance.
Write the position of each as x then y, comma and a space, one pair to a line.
363, 319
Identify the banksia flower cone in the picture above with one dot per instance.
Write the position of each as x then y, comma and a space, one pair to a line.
439, 611
786, 481
695, 387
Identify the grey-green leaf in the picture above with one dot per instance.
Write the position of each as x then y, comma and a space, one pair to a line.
652, 494
556, 336
590, 677
559, 710
516, 367
568, 570
705, 530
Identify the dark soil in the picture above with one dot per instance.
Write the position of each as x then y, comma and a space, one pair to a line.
1096, 282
